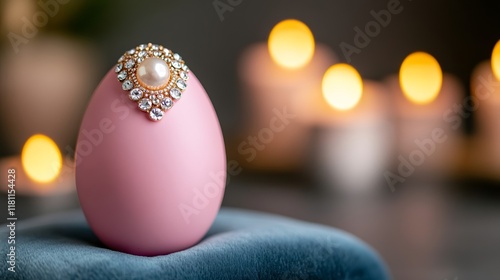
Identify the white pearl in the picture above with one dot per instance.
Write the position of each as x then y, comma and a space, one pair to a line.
153, 73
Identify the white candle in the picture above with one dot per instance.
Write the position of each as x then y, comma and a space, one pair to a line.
275, 84
354, 135
428, 142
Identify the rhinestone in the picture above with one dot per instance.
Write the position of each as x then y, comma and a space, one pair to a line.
145, 104
177, 64
156, 101
132, 51
156, 53
166, 103
118, 67
127, 85
141, 53
122, 75
160, 96
142, 46
135, 94
175, 93
184, 75
185, 68
166, 51
129, 64
156, 114
177, 56
140, 59
181, 84
154, 47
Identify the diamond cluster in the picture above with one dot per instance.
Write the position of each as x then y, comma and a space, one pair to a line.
153, 101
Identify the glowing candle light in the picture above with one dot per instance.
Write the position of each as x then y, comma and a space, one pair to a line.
41, 159
420, 77
41, 169
342, 87
291, 44
495, 60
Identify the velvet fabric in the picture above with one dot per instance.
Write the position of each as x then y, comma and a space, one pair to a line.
241, 244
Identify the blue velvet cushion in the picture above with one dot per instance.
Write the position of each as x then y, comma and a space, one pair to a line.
240, 245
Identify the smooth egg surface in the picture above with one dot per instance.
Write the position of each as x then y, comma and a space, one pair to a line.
145, 187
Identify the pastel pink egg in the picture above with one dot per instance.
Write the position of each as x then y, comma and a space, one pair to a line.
150, 187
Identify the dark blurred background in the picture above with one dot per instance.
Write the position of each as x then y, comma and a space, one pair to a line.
445, 225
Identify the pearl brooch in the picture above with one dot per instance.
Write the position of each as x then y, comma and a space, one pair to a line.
149, 71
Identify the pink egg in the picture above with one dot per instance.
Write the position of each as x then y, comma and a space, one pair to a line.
150, 187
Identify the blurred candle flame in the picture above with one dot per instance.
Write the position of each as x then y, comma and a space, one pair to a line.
342, 86
420, 77
41, 159
495, 60
291, 44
